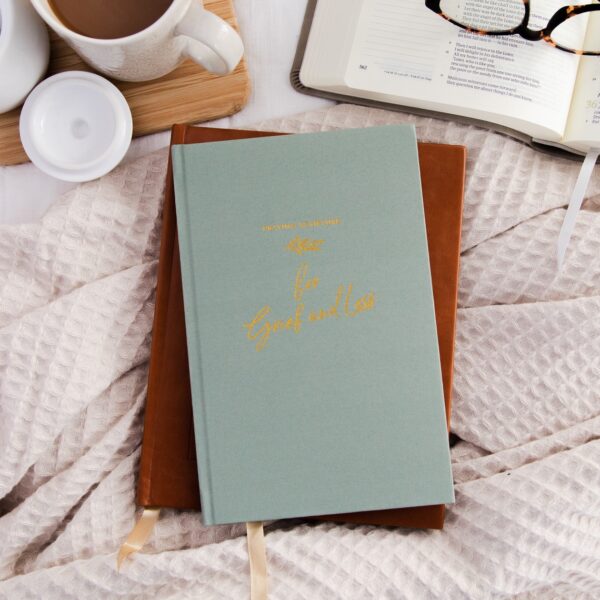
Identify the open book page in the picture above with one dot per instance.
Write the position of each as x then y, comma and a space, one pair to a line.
583, 128
330, 39
410, 55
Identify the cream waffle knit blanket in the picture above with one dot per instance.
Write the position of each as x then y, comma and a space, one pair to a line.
76, 306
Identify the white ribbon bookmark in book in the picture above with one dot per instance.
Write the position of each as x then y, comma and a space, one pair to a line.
257, 555
575, 204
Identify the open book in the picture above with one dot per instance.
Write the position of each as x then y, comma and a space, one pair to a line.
401, 53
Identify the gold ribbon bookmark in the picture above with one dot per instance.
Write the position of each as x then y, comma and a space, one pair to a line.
257, 555
139, 534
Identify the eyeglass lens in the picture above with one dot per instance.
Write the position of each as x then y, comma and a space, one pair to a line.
580, 32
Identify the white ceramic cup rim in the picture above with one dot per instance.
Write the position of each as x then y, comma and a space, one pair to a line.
44, 10
6, 22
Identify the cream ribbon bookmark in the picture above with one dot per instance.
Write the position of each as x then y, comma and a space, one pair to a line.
575, 204
257, 551
257, 555
139, 534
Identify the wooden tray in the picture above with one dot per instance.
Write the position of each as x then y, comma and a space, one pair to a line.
187, 95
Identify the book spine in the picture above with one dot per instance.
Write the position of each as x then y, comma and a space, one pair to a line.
188, 271
154, 400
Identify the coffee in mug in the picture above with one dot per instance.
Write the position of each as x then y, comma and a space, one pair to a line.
108, 19
138, 40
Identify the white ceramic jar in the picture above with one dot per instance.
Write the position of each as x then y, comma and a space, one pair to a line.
24, 51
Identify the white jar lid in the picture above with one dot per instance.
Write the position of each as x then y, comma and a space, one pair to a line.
76, 126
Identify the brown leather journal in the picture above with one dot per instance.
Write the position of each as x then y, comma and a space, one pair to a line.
168, 475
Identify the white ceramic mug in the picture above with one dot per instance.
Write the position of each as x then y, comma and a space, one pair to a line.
185, 30
24, 51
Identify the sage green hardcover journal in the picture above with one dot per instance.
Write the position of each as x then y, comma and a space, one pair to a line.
313, 356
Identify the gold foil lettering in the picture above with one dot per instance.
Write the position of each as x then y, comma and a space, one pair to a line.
363, 304
302, 282
301, 245
263, 333
302, 224
260, 329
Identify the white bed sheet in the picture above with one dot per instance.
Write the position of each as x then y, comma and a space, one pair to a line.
270, 29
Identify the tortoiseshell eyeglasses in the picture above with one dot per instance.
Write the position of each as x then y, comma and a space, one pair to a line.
574, 28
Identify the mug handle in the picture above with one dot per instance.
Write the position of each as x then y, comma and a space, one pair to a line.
209, 40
